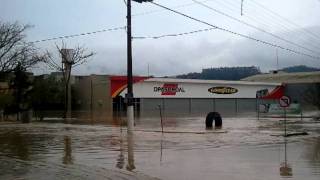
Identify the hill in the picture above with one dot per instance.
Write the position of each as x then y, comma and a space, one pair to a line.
223, 73
238, 73
300, 68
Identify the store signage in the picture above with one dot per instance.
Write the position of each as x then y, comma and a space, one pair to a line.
169, 89
223, 90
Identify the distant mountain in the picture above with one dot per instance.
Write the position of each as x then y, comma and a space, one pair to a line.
223, 73
300, 68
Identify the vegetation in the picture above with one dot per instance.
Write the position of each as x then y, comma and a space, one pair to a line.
20, 86
70, 58
300, 68
14, 50
312, 95
223, 73
47, 94
237, 73
16, 56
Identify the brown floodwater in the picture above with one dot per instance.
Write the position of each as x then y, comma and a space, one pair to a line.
245, 148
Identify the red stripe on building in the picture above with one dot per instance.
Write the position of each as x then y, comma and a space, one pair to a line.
277, 93
119, 83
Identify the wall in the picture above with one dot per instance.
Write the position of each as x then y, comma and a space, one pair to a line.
155, 89
304, 93
93, 89
197, 106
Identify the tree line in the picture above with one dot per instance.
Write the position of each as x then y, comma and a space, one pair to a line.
223, 73
238, 73
19, 90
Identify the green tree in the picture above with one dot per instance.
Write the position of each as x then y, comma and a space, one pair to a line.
21, 86
71, 58
312, 95
47, 94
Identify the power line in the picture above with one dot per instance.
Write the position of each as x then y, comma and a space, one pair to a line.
287, 20
252, 26
175, 7
173, 35
284, 23
256, 18
311, 43
235, 33
81, 34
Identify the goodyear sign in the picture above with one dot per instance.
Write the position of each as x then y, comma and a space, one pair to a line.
223, 90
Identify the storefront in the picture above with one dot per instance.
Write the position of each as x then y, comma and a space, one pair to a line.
193, 97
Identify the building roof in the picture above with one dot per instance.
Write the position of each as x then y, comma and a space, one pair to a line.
199, 81
304, 77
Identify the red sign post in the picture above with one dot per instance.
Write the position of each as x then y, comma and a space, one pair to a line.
284, 102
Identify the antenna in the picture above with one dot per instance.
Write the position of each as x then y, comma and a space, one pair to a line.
148, 70
277, 59
241, 7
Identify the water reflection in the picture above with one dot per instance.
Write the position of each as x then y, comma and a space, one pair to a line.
161, 148
67, 157
52, 147
120, 159
16, 144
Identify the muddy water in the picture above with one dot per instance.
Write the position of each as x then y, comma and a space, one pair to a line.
245, 148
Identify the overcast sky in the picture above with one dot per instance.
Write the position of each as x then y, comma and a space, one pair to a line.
174, 55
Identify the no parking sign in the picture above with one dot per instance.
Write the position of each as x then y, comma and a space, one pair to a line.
284, 101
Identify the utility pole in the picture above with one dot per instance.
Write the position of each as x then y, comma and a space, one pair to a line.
277, 59
241, 7
129, 95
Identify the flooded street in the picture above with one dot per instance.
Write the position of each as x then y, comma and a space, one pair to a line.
245, 148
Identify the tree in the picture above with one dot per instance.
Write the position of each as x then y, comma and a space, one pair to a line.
47, 94
15, 50
70, 58
312, 95
21, 86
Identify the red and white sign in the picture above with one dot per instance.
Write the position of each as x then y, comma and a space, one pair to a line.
284, 101
169, 89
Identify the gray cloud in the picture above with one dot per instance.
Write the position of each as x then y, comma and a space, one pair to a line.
183, 56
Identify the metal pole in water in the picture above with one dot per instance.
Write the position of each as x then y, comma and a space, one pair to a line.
161, 117
285, 150
285, 122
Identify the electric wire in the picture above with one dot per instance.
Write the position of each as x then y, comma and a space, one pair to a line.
173, 35
252, 26
237, 34
259, 18
252, 18
76, 35
285, 19
279, 21
161, 10
307, 36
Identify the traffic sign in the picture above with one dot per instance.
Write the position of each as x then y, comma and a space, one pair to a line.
284, 101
